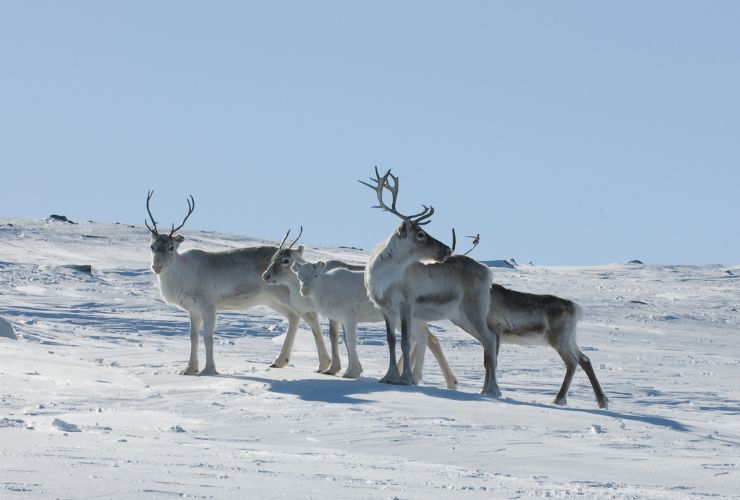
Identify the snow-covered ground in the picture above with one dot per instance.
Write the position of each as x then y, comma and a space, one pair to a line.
91, 405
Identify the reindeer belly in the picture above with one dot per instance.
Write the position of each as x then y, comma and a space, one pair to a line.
527, 334
433, 307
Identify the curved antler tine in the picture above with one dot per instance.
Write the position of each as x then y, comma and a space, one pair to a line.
295, 240
454, 240
381, 183
191, 207
285, 238
476, 240
154, 223
424, 215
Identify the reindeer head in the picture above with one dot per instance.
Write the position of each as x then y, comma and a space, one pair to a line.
279, 267
307, 273
410, 240
164, 246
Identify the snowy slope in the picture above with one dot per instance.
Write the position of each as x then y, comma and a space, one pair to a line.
91, 406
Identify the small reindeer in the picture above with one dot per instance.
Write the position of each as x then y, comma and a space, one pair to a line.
341, 294
278, 272
203, 283
405, 285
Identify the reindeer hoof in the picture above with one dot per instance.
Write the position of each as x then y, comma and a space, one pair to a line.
207, 372
279, 363
492, 393
604, 404
332, 370
561, 402
189, 371
353, 374
453, 385
406, 380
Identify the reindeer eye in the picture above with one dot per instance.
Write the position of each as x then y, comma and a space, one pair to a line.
421, 235
171, 248
286, 261
152, 247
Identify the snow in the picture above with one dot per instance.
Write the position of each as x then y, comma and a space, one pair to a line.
91, 404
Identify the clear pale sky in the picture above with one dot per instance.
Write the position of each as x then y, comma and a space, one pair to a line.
562, 132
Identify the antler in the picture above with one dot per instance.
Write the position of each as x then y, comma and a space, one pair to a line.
385, 182
153, 231
286, 237
191, 207
295, 240
476, 240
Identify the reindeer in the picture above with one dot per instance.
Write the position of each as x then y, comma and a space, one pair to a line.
203, 283
278, 273
528, 319
513, 317
341, 293
412, 276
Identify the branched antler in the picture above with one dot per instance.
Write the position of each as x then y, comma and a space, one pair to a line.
476, 240
390, 182
191, 207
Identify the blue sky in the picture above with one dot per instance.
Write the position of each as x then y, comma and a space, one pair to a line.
562, 132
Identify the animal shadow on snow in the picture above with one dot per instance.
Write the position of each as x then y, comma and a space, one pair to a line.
344, 391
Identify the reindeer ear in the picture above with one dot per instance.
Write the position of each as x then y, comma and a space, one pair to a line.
179, 238
320, 265
403, 229
300, 249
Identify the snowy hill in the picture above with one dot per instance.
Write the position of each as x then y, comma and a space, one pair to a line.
91, 405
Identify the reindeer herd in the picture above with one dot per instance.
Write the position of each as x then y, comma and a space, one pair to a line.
410, 279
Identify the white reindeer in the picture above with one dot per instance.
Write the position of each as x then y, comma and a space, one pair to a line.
203, 283
341, 294
278, 273
405, 285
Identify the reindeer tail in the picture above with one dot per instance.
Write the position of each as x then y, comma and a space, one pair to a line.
578, 311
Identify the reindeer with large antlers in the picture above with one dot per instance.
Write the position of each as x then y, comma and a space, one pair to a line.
412, 276
203, 283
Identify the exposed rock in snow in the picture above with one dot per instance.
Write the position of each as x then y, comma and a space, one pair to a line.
505, 263
65, 426
6, 330
61, 218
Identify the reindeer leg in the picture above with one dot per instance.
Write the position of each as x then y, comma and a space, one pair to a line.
287, 348
392, 376
324, 359
209, 322
586, 365
436, 349
418, 354
195, 322
407, 377
354, 369
336, 362
570, 368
